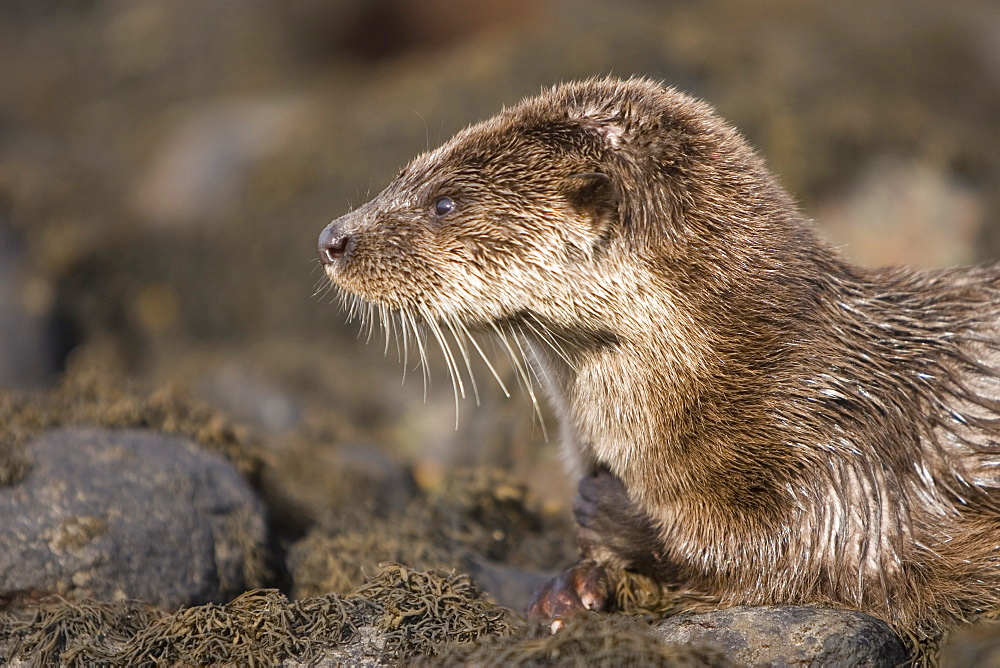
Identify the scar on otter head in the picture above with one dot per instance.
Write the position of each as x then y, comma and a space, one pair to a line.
750, 416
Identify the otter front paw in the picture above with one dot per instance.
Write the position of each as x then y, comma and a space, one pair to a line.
611, 528
585, 586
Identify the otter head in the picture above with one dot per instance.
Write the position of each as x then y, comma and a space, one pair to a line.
484, 227
475, 230
536, 210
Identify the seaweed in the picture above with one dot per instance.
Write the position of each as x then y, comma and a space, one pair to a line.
73, 632
477, 513
397, 615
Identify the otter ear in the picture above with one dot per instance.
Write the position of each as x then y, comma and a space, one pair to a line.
593, 193
588, 189
607, 123
611, 133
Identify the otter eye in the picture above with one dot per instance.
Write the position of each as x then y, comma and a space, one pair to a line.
443, 206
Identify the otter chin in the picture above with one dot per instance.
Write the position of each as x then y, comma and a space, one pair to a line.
751, 417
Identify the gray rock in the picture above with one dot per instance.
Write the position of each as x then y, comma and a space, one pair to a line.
789, 635
116, 514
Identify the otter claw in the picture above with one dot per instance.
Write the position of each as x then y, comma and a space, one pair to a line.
584, 586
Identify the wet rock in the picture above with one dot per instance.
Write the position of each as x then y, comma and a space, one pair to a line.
123, 514
789, 635
587, 639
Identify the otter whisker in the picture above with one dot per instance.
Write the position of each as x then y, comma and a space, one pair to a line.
406, 342
485, 359
460, 342
386, 324
530, 368
519, 364
370, 318
395, 333
423, 353
546, 336
362, 311
449, 359
352, 305
322, 287
501, 338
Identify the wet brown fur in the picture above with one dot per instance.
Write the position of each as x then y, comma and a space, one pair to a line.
791, 427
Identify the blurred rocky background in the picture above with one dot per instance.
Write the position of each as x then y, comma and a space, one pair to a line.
165, 169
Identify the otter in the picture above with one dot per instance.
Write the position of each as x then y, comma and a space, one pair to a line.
751, 417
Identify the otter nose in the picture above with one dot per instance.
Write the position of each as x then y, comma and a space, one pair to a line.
332, 242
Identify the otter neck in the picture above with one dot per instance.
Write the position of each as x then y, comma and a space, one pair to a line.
664, 378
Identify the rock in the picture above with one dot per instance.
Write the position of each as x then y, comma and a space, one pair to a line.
789, 635
123, 514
